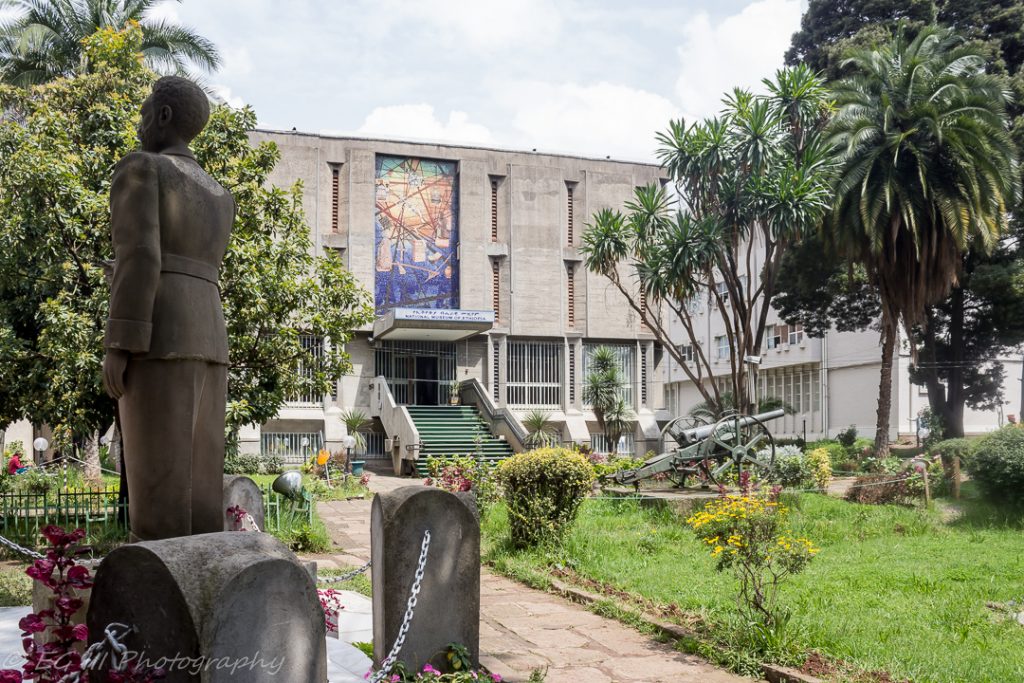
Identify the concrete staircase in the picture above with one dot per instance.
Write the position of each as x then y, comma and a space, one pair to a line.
453, 430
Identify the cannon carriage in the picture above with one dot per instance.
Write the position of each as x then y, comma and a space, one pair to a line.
708, 452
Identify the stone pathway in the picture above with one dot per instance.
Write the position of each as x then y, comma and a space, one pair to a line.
523, 629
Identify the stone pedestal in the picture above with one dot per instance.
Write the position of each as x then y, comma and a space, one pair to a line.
242, 491
448, 606
214, 607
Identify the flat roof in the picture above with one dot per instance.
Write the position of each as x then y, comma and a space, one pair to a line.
437, 143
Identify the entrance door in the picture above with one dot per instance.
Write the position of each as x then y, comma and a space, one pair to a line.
426, 381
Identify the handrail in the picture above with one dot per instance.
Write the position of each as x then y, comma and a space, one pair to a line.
396, 421
472, 392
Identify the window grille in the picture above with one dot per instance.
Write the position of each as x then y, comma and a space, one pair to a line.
572, 374
335, 197
571, 292
600, 444
313, 353
643, 375
294, 448
496, 365
534, 374
397, 360
570, 228
496, 288
494, 210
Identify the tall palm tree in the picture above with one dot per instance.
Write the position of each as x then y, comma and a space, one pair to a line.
602, 390
44, 39
928, 171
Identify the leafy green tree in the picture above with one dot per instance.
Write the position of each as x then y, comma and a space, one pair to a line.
928, 172
756, 177
813, 289
44, 40
58, 147
603, 392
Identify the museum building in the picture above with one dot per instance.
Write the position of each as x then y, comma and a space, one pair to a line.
482, 298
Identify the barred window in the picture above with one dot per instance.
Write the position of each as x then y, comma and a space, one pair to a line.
534, 374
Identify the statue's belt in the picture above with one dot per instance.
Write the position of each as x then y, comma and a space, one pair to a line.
172, 263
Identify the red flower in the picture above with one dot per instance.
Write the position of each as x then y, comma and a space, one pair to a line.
79, 577
32, 623
10, 676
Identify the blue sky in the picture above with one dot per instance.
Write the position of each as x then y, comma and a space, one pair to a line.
586, 77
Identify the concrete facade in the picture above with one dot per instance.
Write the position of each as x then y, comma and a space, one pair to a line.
515, 214
838, 378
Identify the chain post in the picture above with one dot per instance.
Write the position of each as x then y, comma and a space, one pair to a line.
392, 657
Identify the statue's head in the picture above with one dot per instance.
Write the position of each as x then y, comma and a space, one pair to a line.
174, 113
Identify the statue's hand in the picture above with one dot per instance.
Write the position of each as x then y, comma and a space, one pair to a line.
114, 363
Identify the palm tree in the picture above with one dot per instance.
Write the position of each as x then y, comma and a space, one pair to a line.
355, 421
44, 39
602, 390
540, 431
928, 171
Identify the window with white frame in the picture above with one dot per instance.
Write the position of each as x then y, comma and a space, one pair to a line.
534, 373
796, 335
686, 351
774, 336
723, 291
722, 347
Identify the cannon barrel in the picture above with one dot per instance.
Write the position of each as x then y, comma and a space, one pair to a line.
695, 434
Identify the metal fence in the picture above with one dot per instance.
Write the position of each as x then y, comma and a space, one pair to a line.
374, 447
24, 515
274, 504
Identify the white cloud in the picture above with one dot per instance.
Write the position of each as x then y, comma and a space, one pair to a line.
419, 121
481, 25
738, 51
223, 94
602, 119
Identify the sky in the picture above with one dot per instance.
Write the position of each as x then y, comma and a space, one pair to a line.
585, 77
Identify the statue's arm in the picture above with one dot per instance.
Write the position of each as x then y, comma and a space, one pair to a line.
135, 228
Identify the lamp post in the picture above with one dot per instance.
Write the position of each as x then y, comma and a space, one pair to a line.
349, 442
40, 445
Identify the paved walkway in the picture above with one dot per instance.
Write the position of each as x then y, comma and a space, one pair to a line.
522, 629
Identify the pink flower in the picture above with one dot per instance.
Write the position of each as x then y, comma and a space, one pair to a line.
496, 678
10, 676
32, 623
427, 669
78, 577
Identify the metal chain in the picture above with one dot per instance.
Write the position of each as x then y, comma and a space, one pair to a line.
255, 527
345, 577
20, 549
389, 661
94, 656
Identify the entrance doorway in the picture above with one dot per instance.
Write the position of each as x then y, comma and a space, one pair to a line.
418, 373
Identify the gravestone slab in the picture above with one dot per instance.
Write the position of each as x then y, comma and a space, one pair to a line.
448, 605
210, 608
242, 491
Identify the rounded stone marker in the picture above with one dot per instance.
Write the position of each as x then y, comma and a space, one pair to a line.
226, 606
242, 491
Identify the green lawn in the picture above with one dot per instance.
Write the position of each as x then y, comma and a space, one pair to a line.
892, 589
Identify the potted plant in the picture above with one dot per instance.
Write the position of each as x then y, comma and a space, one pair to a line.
453, 393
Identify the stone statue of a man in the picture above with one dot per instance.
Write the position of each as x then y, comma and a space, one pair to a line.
166, 342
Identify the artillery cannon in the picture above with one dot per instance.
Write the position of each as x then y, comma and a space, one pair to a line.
708, 451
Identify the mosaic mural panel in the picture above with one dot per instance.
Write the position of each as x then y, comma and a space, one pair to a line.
416, 225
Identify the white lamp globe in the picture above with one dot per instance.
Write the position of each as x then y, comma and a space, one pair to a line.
40, 444
349, 441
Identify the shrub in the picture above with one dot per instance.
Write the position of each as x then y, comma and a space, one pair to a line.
885, 488
748, 534
998, 464
463, 473
543, 490
837, 453
953, 448
847, 437
819, 464
789, 468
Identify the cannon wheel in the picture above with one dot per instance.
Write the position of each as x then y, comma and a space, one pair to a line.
738, 448
680, 474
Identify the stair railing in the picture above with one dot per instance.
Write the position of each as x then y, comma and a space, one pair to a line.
502, 421
398, 425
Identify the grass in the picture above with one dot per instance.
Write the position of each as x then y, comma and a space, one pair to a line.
893, 589
15, 585
359, 583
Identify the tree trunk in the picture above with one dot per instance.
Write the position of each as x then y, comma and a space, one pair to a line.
953, 415
889, 336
